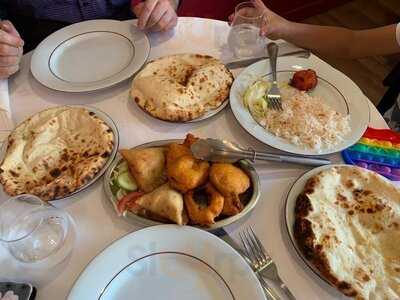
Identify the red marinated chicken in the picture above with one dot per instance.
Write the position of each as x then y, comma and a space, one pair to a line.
304, 80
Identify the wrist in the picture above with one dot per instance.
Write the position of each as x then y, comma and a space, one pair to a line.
284, 29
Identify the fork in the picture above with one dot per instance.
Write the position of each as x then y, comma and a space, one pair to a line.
274, 95
260, 261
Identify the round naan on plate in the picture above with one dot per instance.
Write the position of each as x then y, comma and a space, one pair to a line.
55, 152
347, 224
182, 87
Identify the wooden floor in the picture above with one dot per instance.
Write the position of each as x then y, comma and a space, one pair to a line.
368, 73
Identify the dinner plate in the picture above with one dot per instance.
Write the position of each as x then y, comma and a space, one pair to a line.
290, 204
245, 165
334, 87
163, 262
110, 123
90, 55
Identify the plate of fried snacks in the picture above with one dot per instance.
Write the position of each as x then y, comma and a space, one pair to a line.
342, 221
323, 111
182, 87
162, 182
58, 152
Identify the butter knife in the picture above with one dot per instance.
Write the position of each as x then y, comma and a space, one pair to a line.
223, 235
244, 62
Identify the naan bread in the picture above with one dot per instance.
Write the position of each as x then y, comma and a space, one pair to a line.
147, 166
181, 87
164, 202
348, 225
54, 152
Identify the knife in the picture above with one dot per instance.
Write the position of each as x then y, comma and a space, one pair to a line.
223, 235
244, 62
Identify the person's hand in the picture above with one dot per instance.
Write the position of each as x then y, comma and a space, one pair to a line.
11, 49
272, 25
156, 15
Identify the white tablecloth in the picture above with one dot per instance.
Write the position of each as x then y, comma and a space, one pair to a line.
97, 224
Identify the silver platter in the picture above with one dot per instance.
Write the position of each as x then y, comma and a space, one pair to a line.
245, 165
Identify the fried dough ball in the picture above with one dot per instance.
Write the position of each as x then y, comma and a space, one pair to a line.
183, 170
304, 80
203, 205
190, 140
176, 151
230, 181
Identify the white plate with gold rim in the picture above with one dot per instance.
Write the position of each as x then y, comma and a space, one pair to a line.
335, 88
90, 55
163, 262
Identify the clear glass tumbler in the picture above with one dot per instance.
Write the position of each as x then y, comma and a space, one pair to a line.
32, 229
244, 37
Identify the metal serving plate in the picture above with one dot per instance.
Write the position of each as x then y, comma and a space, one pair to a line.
245, 165
110, 123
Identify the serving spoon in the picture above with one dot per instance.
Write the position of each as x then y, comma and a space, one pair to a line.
224, 151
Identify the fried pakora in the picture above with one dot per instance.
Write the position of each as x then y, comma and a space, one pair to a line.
184, 171
190, 140
187, 173
203, 205
230, 181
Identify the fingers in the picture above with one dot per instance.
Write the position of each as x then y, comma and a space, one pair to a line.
9, 61
11, 48
11, 40
167, 21
7, 26
171, 24
7, 50
145, 13
158, 15
158, 12
259, 4
230, 18
6, 72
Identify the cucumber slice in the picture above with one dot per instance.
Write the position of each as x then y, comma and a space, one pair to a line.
126, 182
114, 189
123, 167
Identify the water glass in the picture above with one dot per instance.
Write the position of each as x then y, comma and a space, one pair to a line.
244, 37
32, 229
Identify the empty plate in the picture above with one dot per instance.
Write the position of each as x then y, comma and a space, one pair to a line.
90, 55
168, 262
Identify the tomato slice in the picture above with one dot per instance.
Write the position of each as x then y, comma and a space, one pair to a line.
128, 202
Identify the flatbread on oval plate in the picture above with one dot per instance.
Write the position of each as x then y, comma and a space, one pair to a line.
55, 152
182, 87
345, 223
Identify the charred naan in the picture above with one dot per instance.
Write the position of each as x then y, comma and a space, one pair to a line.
348, 225
55, 152
181, 87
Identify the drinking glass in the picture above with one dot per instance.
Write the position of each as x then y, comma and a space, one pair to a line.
32, 229
244, 37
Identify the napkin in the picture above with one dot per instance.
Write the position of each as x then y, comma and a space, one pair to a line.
6, 123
